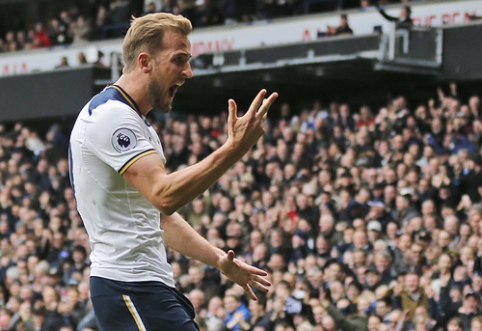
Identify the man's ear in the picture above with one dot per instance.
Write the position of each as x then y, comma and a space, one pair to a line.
144, 61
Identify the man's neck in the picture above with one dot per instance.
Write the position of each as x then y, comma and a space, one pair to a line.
133, 85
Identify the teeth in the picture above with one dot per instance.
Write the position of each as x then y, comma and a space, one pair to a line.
179, 84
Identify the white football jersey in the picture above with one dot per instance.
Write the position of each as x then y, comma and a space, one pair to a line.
124, 227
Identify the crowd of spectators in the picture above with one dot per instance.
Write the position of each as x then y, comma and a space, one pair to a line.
104, 19
364, 221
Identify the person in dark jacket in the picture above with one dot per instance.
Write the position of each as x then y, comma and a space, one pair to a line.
404, 20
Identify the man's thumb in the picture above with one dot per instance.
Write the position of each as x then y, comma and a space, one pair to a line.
233, 110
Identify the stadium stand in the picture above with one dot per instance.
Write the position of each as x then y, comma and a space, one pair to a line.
352, 214
77, 22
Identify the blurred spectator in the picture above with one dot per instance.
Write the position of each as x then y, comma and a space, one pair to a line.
80, 30
342, 29
119, 11
81, 58
100, 20
209, 13
151, 8
11, 44
169, 6
404, 20
189, 10
64, 63
40, 37
56, 34
374, 233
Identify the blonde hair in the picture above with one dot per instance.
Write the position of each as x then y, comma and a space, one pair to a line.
146, 32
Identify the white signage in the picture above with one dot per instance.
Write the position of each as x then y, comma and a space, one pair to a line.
283, 31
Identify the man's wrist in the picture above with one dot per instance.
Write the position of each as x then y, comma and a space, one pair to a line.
220, 255
229, 150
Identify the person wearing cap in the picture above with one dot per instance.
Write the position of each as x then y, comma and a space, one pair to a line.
374, 231
378, 211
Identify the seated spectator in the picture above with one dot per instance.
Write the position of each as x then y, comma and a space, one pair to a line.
64, 63
81, 58
342, 30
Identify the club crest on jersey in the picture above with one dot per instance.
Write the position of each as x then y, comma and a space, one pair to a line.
124, 140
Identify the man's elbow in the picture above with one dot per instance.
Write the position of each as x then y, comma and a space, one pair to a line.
167, 204
163, 200
167, 207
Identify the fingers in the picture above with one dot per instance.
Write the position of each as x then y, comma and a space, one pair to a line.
230, 255
263, 110
257, 284
232, 111
254, 270
253, 109
250, 292
261, 280
260, 286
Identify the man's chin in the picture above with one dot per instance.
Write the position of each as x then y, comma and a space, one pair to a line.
165, 108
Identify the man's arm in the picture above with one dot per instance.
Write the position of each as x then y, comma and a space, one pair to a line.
386, 16
181, 237
169, 192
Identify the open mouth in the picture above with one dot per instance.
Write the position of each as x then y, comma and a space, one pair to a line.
173, 89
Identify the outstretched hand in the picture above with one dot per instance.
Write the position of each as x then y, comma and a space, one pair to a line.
244, 274
246, 130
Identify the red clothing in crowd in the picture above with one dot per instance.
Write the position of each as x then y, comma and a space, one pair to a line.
41, 39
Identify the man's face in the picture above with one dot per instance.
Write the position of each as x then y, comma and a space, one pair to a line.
372, 278
381, 308
411, 283
382, 263
444, 239
170, 69
470, 304
230, 304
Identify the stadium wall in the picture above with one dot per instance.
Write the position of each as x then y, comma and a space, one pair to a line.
265, 33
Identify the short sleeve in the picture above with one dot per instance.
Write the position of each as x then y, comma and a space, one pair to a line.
115, 134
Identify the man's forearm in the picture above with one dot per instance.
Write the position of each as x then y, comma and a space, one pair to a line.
181, 237
181, 187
